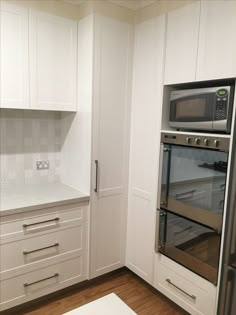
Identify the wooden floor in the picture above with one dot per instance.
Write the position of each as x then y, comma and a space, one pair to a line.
142, 298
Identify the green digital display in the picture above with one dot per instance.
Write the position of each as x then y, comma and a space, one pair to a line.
222, 92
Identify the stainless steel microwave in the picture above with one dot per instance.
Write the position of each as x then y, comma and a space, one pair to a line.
202, 109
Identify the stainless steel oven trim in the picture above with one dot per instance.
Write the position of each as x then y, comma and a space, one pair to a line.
207, 218
182, 139
192, 263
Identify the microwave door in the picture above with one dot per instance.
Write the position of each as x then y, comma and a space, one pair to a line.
194, 111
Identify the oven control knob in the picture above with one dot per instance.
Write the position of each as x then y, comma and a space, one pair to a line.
197, 140
188, 140
216, 143
206, 142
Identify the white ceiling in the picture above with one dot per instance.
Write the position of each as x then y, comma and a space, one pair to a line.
130, 4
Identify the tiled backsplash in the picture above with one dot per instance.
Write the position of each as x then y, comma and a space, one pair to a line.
26, 137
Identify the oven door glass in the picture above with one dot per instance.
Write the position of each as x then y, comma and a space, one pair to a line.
190, 244
193, 183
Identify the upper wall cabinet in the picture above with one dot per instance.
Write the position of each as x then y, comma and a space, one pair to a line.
53, 62
181, 44
217, 41
14, 57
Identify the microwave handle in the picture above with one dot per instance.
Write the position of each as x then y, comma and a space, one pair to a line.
164, 149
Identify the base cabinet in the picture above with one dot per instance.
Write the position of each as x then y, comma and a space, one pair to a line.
41, 252
193, 293
31, 285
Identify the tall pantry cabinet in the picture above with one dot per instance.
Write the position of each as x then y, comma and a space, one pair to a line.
146, 105
112, 43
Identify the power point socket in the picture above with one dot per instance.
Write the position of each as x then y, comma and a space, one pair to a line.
42, 165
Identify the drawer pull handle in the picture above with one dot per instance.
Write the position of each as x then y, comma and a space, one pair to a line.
193, 297
25, 252
41, 222
44, 279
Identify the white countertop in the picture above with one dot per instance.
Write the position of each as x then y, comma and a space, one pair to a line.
33, 197
110, 304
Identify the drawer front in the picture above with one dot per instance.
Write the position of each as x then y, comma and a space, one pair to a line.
194, 296
32, 285
41, 220
35, 249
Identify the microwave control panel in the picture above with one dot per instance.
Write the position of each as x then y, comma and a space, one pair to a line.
222, 100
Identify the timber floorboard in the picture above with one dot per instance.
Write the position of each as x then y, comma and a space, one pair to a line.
140, 297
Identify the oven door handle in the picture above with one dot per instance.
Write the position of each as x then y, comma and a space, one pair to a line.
160, 200
160, 230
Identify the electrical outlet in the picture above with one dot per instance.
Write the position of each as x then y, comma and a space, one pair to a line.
42, 165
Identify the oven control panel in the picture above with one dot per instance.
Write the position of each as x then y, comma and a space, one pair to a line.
201, 141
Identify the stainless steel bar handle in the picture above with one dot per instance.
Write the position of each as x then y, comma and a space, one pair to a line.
41, 280
25, 252
193, 297
41, 222
160, 176
156, 231
96, 187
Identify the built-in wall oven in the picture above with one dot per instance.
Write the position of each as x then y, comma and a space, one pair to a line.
191, 200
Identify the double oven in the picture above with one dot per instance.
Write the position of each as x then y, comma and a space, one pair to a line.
191, 200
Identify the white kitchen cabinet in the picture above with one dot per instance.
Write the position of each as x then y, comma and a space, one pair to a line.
42, 251
144, 148
182, 44
193, 293
217, 42
111, 111
14, 65
53, 62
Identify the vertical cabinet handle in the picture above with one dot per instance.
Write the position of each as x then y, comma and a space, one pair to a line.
96, 187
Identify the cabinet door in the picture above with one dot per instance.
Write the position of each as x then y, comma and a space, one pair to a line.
144, 148
53, 55
112, 77
181, 44
217, 41
14, 73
